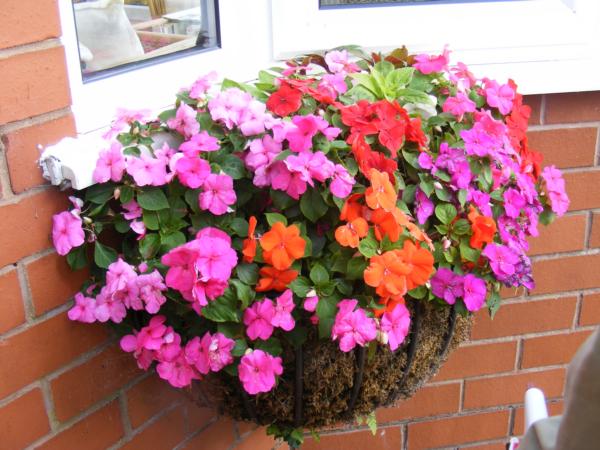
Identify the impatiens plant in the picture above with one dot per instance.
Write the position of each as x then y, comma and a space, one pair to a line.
319, 203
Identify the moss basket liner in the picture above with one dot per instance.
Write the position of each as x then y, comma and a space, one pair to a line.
321, 385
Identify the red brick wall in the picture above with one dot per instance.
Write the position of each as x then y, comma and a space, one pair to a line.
66, 385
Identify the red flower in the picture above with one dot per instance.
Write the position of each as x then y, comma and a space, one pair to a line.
285, 101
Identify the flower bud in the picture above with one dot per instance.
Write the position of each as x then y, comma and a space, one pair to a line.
248, 351
117, 193
382, 337
311, 293
446, 244
437, 185
87, 220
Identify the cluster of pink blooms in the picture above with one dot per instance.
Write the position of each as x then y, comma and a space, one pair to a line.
201, 268
353, 327
124, 289
263, 316
449, 285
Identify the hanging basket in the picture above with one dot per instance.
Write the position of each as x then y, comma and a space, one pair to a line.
321, 386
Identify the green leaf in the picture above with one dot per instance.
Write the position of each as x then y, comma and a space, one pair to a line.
319, 275
126, 194
100, 193
297, 337
312, 205
413, 96
248, 273
149, 245
150, 219
461, 227
239, 227
467, 252
271, 346
372, 423
355, 269
239, 348
104, 256
244, 293
168, 114
301, 286
398, 78
231, 329
411, 158
223, 309
368, 246
493, 303
547, 217
445, 212
273, 218
233, 166
462, 197
153, 199
77, 258
172, 240
326, 310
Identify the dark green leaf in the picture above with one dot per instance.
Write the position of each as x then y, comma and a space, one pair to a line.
467, 252
297, 337
126, 194
244, 293
301, 286
239, 227
172, 240
239, 348
445, 212
461, 227
100, 193
326, 311
149, 245
368, 246
248, 273
104, 255
152, 199
273, 218
356, 268
223, 309
77, 258
493, 303
271, 346
233, 166
150, 219
319, 275
312, 205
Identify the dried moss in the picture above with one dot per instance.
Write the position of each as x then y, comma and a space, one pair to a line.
329, 377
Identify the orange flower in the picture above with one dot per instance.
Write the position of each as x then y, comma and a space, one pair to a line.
249, 244
272, 279
390, 303
420, 262
351, 209
381, 194
385, 225
419, 235
484, 229
349, 235
387, 273
282, 245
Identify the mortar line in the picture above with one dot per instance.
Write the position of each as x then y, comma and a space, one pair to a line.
124, 410
26, 296
16, 198
597, 154
39, 119
28, 48
543, 109
519, 355
577, 315
5, 185
49, 404
192, 435
563, 126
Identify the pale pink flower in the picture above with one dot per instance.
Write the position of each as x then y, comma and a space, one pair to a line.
192, 171
341, 182
110, 165
147, 171
254, 119
352, 327
284, 305
201, 142
129, 295
258, 318
118, 274
337, 62
555, 186
150, 287
124, 118
109, 307
84, 309
67, 232
262, 152
396, 325
211, 353
499, 96
218, 194
185, 121
202, 85
134, 211
257, 371
335, 84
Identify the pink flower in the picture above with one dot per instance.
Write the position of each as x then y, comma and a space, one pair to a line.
319, 167
475, 291
447, 285
124, 118
513, 203
300, 137
182, 271
424, 206
337, 62
228, 105
284, 305
555, 186
109, 307
218, 194
428, 64
499, 96
147, 171
213, 233
459, 105
352, 327
341, 182
204, 291
184, 121
291, 181
67, 232
201, 142
202, 85
502, 260
178, 372
310, 303
262, 152
211, 353
215, 259
396, 324
84, 309
192, 171
133, 210
110, 165
118, 274
257, 371
258, 319
150, 287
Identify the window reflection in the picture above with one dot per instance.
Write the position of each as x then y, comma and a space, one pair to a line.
127, 33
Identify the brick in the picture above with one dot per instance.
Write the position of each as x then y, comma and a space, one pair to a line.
551, 350
166, 433
535, 102
26, 226
149, 397
583, 189
428, 401
197, 416
458, 430
554, 409
218, 436
565, 234
481, 359
52, 282
11, 303
79, 388
595, 234
573, 107
33, 83
43, 348
97, 431
521, 318
566, 274
22, 150
384, 439
567, 147
27, 21
257, 440
244, 427
496, 446
23, 420
510, 389
590, 310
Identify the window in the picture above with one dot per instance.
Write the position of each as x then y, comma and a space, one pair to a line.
113, 36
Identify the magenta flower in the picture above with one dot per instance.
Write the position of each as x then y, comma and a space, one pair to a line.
150, 287
396, 325
262, 152
84, 309
284, 305
67, 232
134, 211
290, 181
211, 353
109, 307
201, 142
502, 260
475, 291
478, 142
352, 327
258, 319
427, 64
181, 275
118, 274
499, 96
147, 171
513, 203
177, 371
306, 127
481, 200
341, 182
202, 85
192, 171
204, 291
215, 258
218, 194
459, 105
257, 371
447, 285
555, 186
110, 165
311, 302
213, 233
424, 206
185, 121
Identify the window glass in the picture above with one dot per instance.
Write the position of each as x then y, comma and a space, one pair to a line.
118, 35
